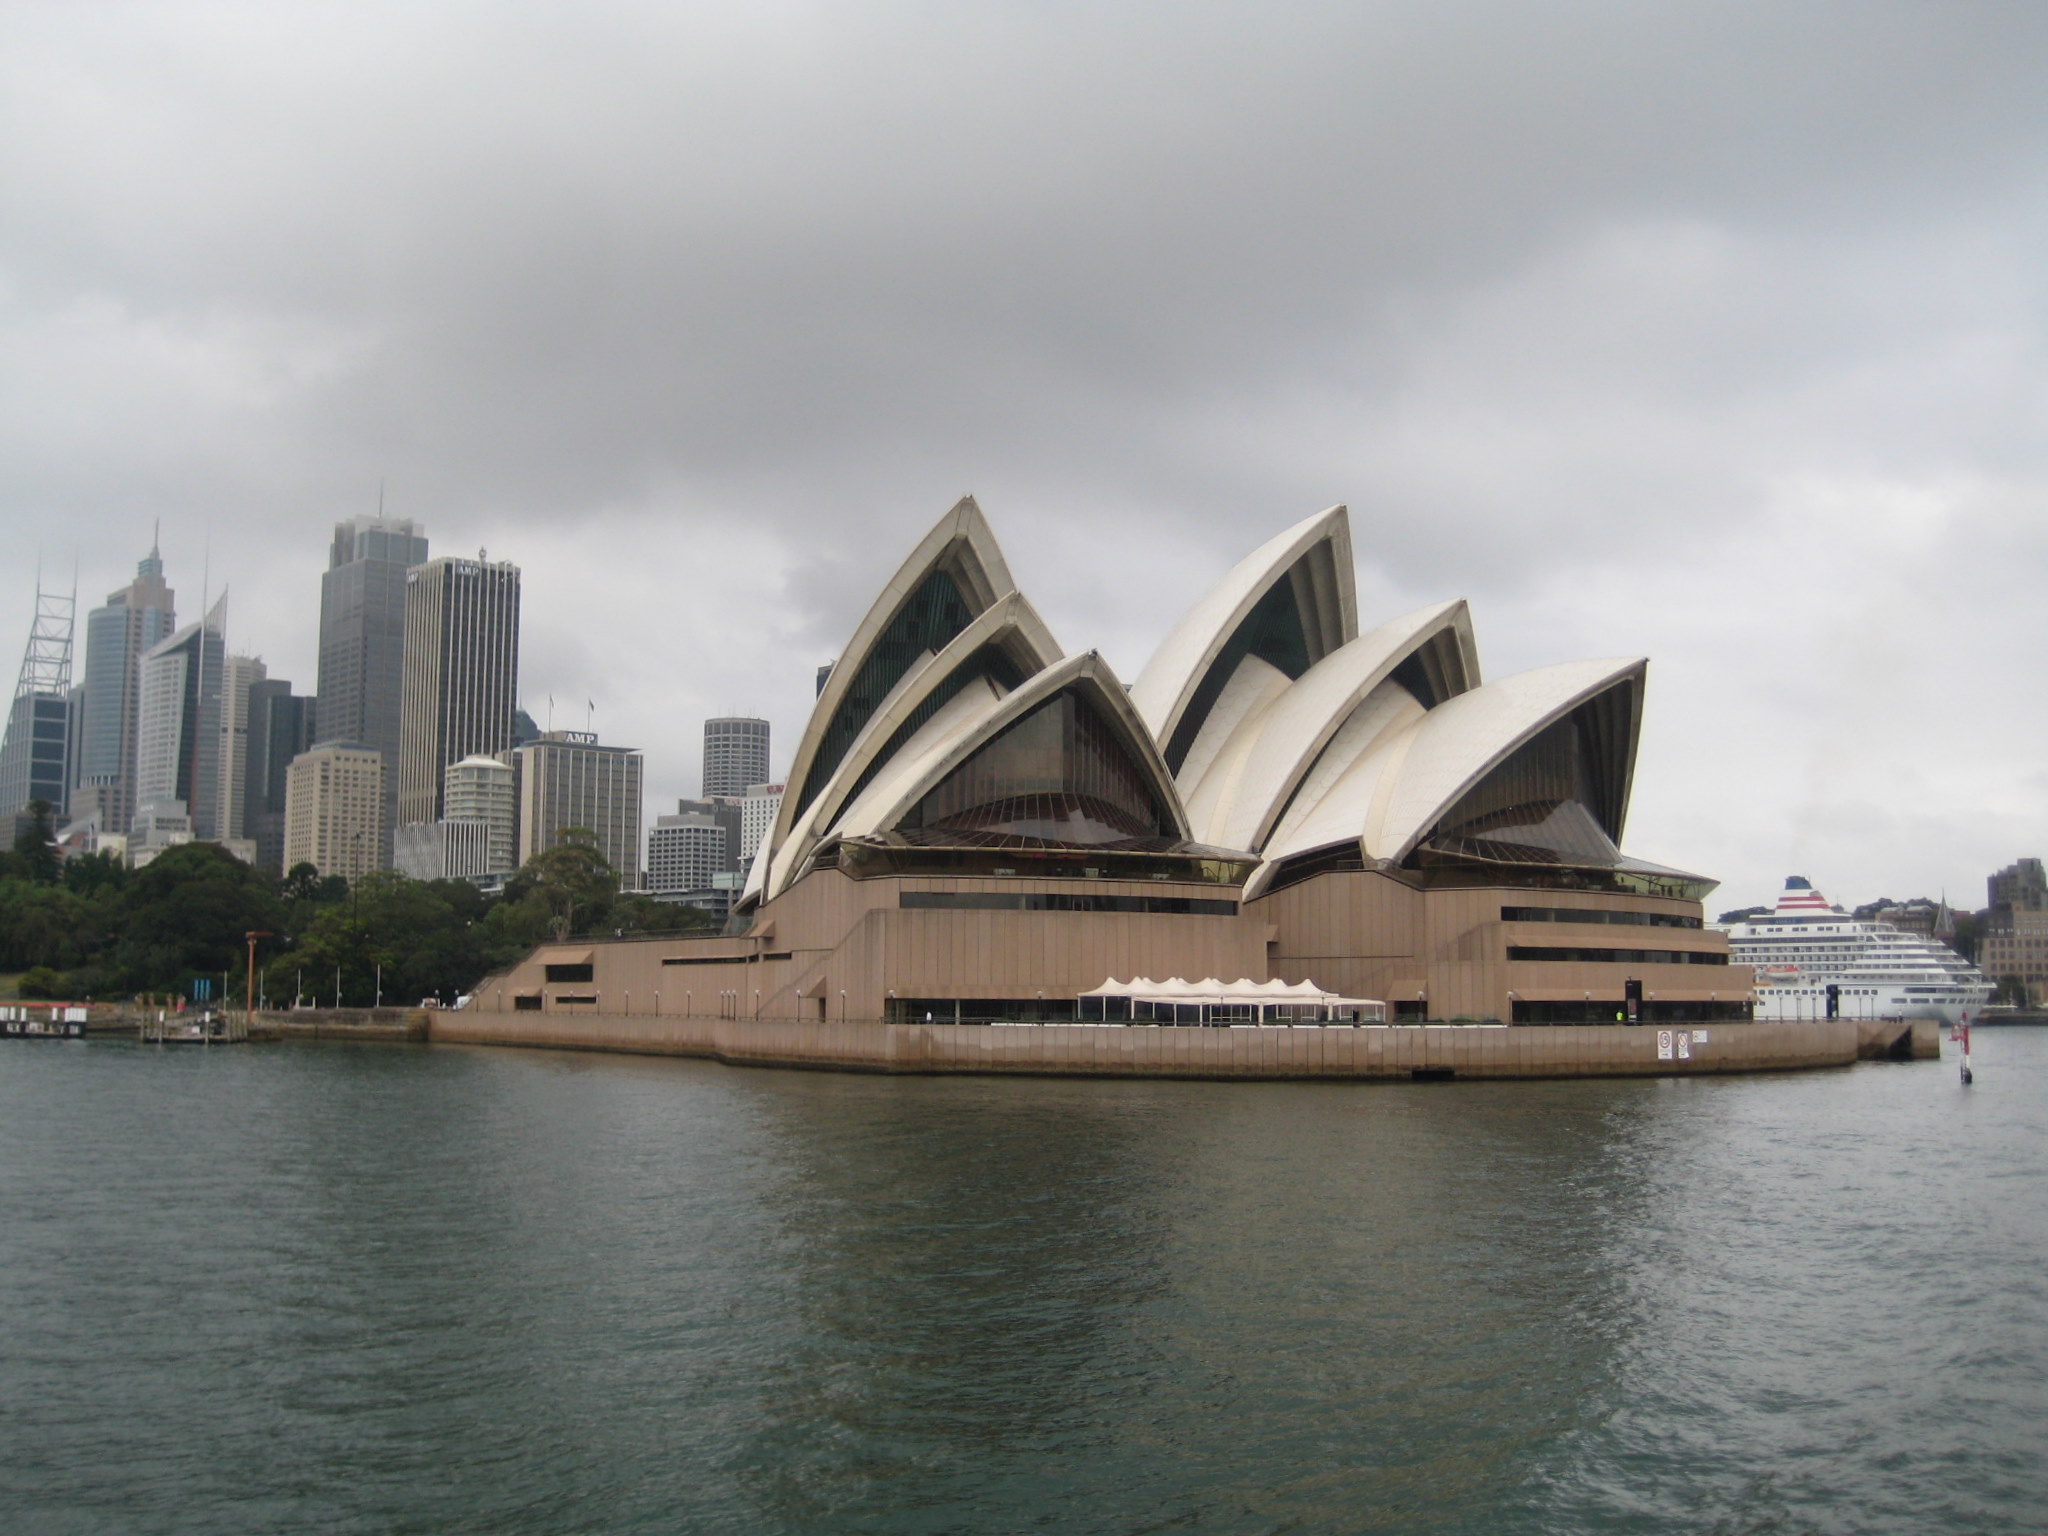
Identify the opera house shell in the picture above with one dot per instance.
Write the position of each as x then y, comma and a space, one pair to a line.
980, 826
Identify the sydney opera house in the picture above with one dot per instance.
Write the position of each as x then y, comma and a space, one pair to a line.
980, 826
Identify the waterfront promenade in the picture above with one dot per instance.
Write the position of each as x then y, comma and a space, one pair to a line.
1391, 1052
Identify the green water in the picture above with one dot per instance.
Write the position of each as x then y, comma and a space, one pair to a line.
400, 1289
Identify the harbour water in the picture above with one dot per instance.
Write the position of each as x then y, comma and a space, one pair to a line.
376, 1289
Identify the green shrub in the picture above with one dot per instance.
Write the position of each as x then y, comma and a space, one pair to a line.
41, 982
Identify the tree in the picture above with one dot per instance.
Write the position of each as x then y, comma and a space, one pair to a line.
2012, 990
94, 874
572, 879
419, 938
39, 983
185, 914
44, 925
301, 883
36, 845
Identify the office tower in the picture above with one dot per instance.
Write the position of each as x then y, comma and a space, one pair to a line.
280, 727
461, 675
567, 780
735, 755
477, 838
35, 754
686, 854
178, 722
117, 636
757, 815
239, 675
334, 809
362, 637
729, 812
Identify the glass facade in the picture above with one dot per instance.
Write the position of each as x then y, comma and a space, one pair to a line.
1061, 774
928, 620
1596, 915
1064, 901
991, 663
1617, 956
1273, 632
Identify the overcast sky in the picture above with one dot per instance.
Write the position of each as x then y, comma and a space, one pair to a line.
1713, 333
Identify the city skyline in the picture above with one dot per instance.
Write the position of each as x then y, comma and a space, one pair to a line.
1616, 325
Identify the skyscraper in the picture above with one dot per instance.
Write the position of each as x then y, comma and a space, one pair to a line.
239, 675
35, 756
735, 755
116, 637
334, 802
567, 780
280, 728
362, 639
461, 674
178, 722
757, 816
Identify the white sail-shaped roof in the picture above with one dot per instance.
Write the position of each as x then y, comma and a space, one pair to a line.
1391, 784
962, 551
1308, 569
1240, 792
1011, 628
1458, 743
956, 734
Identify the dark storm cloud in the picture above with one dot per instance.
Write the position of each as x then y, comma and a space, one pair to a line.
709, 312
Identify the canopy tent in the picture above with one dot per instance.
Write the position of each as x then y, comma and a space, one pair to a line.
1143, 1000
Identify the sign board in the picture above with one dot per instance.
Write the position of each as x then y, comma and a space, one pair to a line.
1663, 1045
1684, 1047
1699, 1037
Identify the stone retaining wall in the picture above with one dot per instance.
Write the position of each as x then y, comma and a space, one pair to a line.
1396, 1052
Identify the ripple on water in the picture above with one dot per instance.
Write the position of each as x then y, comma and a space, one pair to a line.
362, 1289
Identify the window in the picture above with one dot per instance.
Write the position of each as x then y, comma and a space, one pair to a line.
1595, 915
1617, 956
572, 973
1062, 774
1060, 901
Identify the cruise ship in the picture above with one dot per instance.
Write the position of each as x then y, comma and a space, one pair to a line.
1881, 972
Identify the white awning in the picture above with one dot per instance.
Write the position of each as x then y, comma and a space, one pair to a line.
1143, 989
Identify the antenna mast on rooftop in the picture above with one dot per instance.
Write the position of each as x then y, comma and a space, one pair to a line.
46, 664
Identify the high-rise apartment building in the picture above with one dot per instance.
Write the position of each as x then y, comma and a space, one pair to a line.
178, 722
117, 636
280, 727
35, 754
486, 790
334, 809
686, 854
735, 755
461, 675
757, 815
2022, 885
729, 811
2015, 943
362, 636
566, 779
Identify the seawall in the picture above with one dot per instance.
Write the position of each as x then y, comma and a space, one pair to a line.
1406, 1051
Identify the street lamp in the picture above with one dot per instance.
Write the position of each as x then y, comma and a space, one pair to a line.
249, 1000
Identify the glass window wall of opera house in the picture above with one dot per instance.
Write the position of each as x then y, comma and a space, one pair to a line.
982, 827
